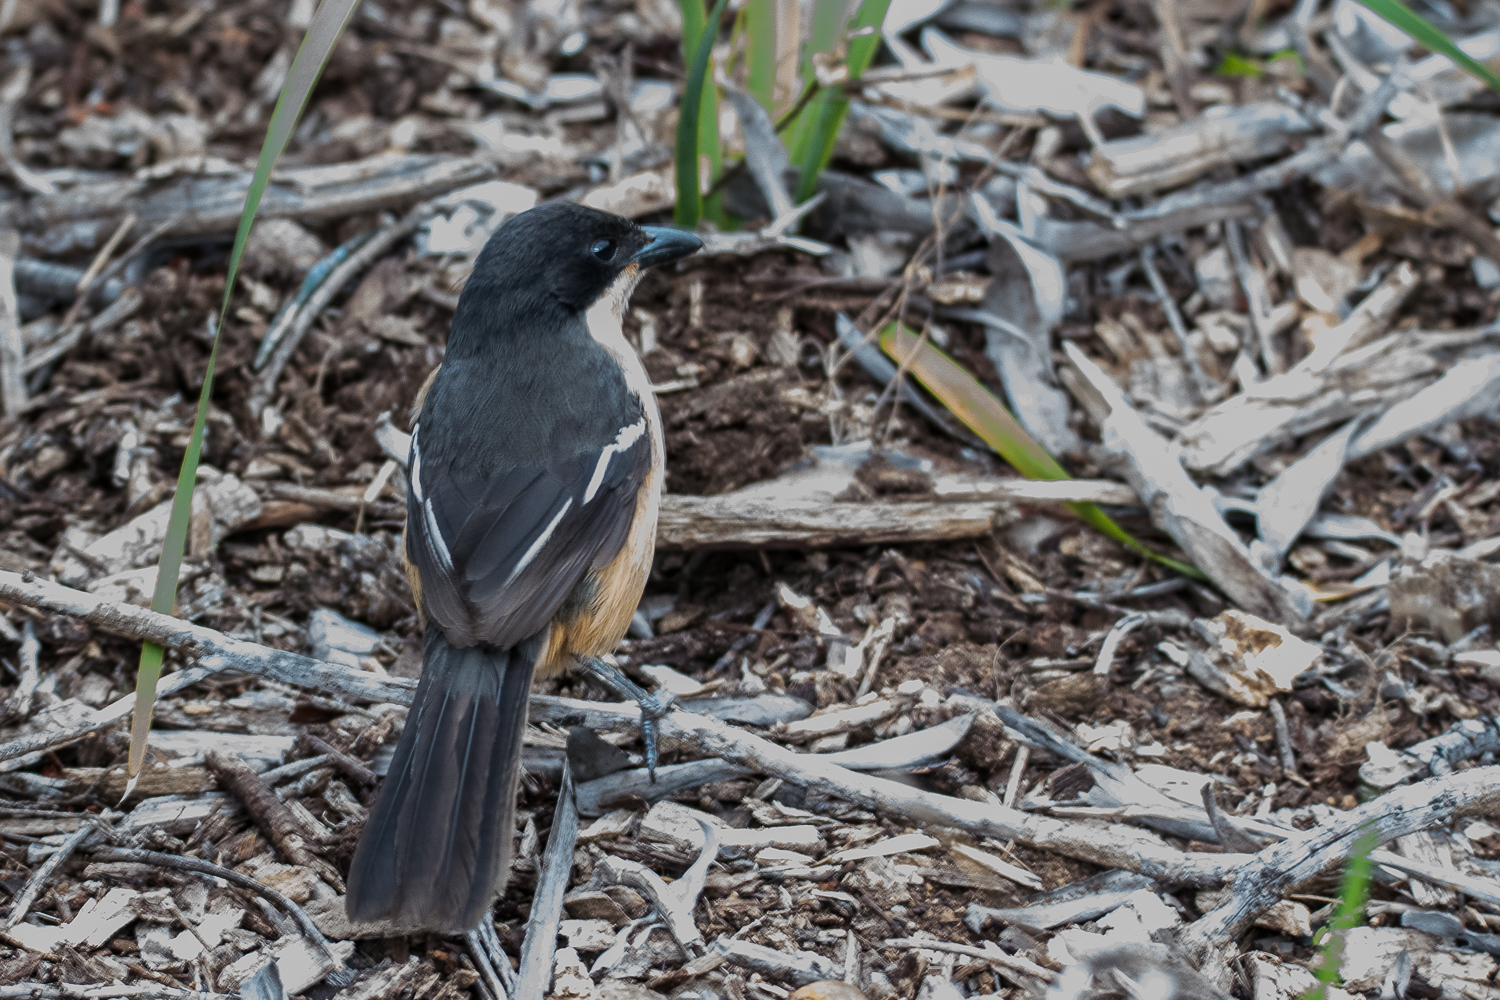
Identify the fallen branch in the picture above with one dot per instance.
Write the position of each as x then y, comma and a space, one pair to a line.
1178, 505
964, 508
673, 903
488, 957
1283, 172
760, 517
11, 95
1464, 740
120, 310
346, 765
132, 991
730, 522
796, 968
214, 649
45, 870
28, 749
372, 250
1260, 880
1413, 380
12, 347
599, 796
1470, 885
76, 220
997, 958
1110, 846
326, 499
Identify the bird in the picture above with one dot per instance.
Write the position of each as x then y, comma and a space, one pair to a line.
536, 467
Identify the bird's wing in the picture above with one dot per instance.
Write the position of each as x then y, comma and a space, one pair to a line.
499, 554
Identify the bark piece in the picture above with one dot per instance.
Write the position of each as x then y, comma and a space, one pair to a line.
273, 817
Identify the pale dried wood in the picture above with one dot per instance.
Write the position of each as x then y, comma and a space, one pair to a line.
761, 516
81, 217
547, 902
333, 499
1110, 846
11, 95
201, 867
45, 870
156, 778
119, 311
214, 649
1263, 878
1374, 378
1107, 845
1178, 505
12, 348
28, 749
727, 522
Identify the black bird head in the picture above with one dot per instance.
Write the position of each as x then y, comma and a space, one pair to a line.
568, 256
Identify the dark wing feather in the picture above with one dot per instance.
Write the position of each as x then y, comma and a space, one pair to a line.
499, 554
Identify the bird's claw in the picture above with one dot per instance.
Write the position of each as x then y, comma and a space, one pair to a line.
653, 706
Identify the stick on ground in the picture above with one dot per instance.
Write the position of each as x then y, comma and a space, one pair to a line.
1261, 879
546, 903
278, 822
201, 867
1112, 846
45, 870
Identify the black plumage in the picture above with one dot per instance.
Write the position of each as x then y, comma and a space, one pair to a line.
531, 455
471, 532
438, 841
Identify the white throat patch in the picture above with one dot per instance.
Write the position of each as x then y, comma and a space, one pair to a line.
617, 296
604, 317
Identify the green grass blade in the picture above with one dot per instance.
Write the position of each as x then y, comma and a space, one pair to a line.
693, 26
760, 41
968, 399
1430, 37
700, 100
709, 147
826, 115
862, 48
693, 22
827, 23
689, 206
312, 55
1353, 895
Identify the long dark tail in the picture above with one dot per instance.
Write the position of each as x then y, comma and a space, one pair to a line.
436, 849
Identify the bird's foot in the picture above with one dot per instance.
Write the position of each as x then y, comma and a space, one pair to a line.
653, 706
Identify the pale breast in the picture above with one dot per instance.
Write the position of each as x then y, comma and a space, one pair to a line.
618, 586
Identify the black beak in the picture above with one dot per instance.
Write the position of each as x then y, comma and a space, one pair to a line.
666, 246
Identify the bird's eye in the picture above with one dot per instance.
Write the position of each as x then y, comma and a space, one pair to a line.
603, 249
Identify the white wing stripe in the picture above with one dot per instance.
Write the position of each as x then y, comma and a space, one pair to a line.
627, 437
438, 543
416, 466
541, 540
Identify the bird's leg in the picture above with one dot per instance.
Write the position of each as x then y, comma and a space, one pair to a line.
653, 706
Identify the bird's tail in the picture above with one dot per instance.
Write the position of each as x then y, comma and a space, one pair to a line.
435, 851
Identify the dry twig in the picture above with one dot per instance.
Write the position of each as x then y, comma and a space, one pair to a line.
1262, 879
546, 903
201, 867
